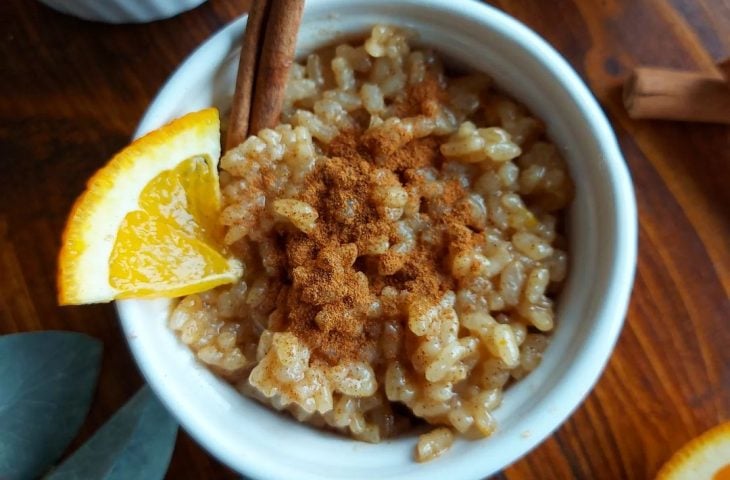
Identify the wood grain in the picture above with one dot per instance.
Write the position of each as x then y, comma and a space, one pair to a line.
71, 93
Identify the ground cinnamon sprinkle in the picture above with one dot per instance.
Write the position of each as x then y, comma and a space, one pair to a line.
417, 153
328, 293
423, 98
328, 285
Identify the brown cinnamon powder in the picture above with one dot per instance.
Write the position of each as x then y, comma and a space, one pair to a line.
423, 98
329, 287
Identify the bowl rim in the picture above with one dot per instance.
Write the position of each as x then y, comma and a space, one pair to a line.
593, 355
121, 12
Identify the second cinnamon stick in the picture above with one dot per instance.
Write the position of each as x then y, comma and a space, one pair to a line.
277, 57
676, 95
247, 64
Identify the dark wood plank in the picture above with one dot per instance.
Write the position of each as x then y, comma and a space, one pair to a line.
71, 93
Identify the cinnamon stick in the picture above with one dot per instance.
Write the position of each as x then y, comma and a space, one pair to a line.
676, 95
277, 57
267, 54
250, 53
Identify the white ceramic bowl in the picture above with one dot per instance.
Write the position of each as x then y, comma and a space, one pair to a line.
122, 11
602, 229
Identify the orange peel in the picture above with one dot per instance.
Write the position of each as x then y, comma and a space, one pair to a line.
146, 224
706, 457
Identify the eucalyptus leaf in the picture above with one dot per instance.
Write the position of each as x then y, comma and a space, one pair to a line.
137, 442
47, 382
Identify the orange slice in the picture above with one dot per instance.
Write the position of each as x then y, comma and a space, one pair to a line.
706, 457
146, 224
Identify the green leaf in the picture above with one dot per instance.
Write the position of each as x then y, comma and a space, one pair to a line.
137, 442
47, 382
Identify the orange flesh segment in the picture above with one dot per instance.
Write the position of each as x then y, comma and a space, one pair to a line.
166, 247
146, 225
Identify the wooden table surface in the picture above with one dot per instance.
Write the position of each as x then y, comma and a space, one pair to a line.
71, 93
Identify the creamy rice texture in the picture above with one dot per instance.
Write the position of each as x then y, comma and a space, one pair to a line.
401, 237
